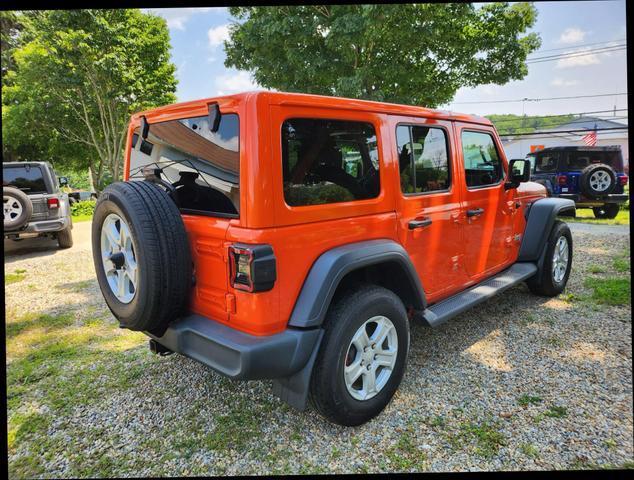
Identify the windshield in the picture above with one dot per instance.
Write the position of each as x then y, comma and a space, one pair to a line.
204, 166
27, 178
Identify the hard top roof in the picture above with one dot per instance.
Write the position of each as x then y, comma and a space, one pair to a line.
287, 98
604, 148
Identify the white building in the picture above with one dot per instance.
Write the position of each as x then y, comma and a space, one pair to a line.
519, 145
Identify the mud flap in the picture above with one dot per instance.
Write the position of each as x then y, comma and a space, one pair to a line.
294, 389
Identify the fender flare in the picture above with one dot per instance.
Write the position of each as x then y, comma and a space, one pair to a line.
541, 217
331, 266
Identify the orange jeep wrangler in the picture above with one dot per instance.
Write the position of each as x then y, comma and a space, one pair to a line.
293, 237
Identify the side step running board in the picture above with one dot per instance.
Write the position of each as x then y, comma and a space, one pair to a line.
442, 311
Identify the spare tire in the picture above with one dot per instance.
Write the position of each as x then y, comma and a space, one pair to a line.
597, 179
141, 255
17, 208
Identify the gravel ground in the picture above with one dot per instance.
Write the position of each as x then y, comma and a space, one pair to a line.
520, 382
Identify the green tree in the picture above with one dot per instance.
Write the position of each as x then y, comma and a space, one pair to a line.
410, 53
78, 78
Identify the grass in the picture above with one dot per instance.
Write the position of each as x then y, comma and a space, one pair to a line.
15, 277
586, 215
596, 269
55, 363
529, 450
486, 435
610, 291
81, 218
556, 411
525, 400
405, 455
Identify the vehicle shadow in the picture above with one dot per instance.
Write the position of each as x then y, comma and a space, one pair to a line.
28, 248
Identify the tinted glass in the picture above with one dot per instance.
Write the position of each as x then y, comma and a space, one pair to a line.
328, 161
28, 179
203, 165
427, 147
577, 161
481, 160
546, 162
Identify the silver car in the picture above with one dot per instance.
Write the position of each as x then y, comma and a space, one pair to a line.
34, 206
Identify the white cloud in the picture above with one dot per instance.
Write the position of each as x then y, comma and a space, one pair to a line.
572, 35
234, 82
218, 34
560, 82
579, 60
177, 17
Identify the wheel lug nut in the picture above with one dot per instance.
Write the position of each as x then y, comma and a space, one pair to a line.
376, 356
368, 367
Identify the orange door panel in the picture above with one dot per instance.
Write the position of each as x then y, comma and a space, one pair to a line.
429, 202
487, 208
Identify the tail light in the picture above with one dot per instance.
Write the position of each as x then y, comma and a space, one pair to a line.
562, 180
623, 179
252, 267
52, 203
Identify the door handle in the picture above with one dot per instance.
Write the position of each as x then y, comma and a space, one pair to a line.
475, 212
419, 223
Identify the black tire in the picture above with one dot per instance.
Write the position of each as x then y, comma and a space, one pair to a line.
163, 257
65, 237
609, 210
544, 283
21, 208
328, 392
586, 185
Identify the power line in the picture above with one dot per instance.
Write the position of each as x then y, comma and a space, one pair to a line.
585, 130
503, 128
520, 117
582, 45
575, 54
579, 52
540, 99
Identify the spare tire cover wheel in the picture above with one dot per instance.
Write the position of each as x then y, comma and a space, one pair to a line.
598, 179
141, 255
17, 207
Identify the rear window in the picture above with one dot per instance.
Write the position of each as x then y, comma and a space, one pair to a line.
204, 166
329, 161
27, 178
577, 161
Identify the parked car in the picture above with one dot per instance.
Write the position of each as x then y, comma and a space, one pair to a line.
34, 206
81, 196
242, 239
591, 176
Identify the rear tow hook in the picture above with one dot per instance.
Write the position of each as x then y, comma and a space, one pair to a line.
159, 349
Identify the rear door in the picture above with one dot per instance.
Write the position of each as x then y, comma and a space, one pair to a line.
429, 197
487, 207
204, 167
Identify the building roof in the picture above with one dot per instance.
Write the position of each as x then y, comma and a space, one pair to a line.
586, 123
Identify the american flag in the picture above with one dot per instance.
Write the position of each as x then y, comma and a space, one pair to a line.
591, 138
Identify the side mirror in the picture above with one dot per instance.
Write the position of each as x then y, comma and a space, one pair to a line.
519, 171
63, 181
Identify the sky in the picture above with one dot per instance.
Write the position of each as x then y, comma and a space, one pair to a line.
567, 26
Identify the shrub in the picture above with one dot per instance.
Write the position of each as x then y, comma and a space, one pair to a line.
86, 207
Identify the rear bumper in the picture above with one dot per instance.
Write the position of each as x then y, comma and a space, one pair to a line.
581, 200
41, 226
237, 354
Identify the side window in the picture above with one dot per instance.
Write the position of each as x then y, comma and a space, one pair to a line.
482, 163
329, 161
422, 158
547, 162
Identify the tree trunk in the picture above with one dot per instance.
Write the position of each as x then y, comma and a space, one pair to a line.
93, 180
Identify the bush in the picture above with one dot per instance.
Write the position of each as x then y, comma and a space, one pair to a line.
86, 207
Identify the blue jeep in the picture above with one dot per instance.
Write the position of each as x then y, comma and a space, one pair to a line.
591, 176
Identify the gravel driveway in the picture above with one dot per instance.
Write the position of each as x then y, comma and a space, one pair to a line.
520, 382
